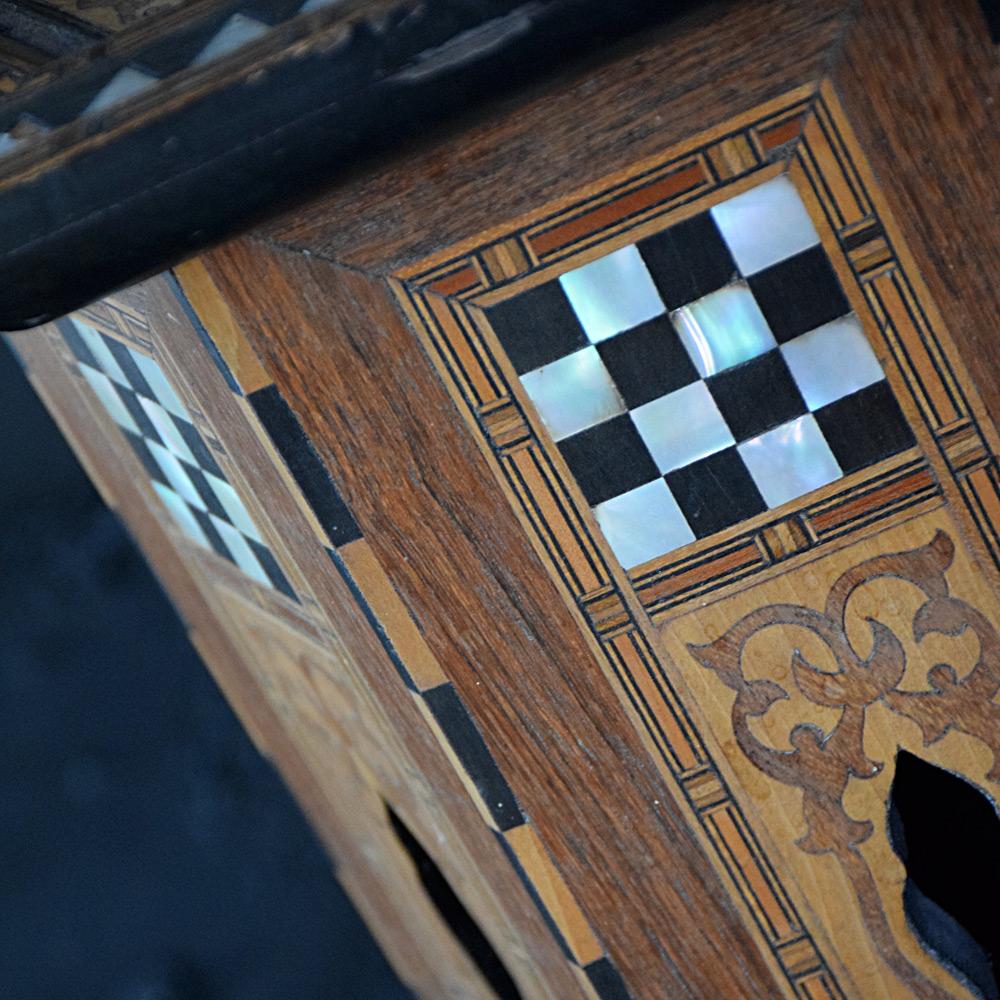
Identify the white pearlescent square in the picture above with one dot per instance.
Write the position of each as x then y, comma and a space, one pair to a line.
832, 361
124, 84
643, 523
234, 34
101, 351
723, 329
176, 475
765, 224
790, 460
573, 393
233, 506
167, 429
105, 392
612, 294
241, 552
181, 513
162, 389
682, 427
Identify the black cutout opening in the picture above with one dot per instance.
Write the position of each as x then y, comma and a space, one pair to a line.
454, 914
947, 834
991, 11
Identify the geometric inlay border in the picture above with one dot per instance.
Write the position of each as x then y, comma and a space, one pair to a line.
443, 298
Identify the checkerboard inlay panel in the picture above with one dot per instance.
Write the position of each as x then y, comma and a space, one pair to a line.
135, 391
703, 375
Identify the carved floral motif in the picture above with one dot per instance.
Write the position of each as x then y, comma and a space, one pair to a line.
822, 764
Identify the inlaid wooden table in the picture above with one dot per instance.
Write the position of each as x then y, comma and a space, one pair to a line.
567, 431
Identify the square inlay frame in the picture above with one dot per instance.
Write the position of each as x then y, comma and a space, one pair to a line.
805, 136
448, 298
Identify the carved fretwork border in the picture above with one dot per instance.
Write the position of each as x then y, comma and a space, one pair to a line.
804, 133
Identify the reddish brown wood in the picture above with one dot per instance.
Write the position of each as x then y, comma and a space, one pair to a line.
919, 81
448, 540
715, 62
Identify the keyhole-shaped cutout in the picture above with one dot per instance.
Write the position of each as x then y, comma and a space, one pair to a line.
454, 913
947, 834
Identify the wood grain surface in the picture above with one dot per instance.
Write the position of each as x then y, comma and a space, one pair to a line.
919, 81
814, 682
278, 665
451, 575
114, 15
448, 540
719, 60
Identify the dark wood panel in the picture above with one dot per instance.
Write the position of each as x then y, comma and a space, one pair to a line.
381, 723
113, 15
919, 81
428, 505
402, 760
630, 102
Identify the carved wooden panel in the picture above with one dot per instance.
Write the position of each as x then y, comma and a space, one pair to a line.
814, 682
926, 508
166, 414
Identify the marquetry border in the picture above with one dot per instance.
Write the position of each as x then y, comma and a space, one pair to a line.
807, 135
830, 171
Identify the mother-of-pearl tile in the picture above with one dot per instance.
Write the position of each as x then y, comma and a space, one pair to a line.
682, 427
765, 224
612, 294
790, 460
573, 393
832, 361
643, 523
723, 329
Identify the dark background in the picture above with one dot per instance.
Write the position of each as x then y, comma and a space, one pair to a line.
147, 852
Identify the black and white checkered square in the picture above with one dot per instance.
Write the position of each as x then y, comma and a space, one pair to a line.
703, 375
135, 391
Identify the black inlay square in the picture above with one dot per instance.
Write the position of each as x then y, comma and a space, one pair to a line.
205, 491
212, 534
138, 413
146, 457
471, 749
609, 459
647, 361
715, 492
606, 980
270, 11
128, 366
77, 344
309, 472
196, 443
168, 53
798, 294
537, 326
688, 260
274, 572
757, 395
865, 427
